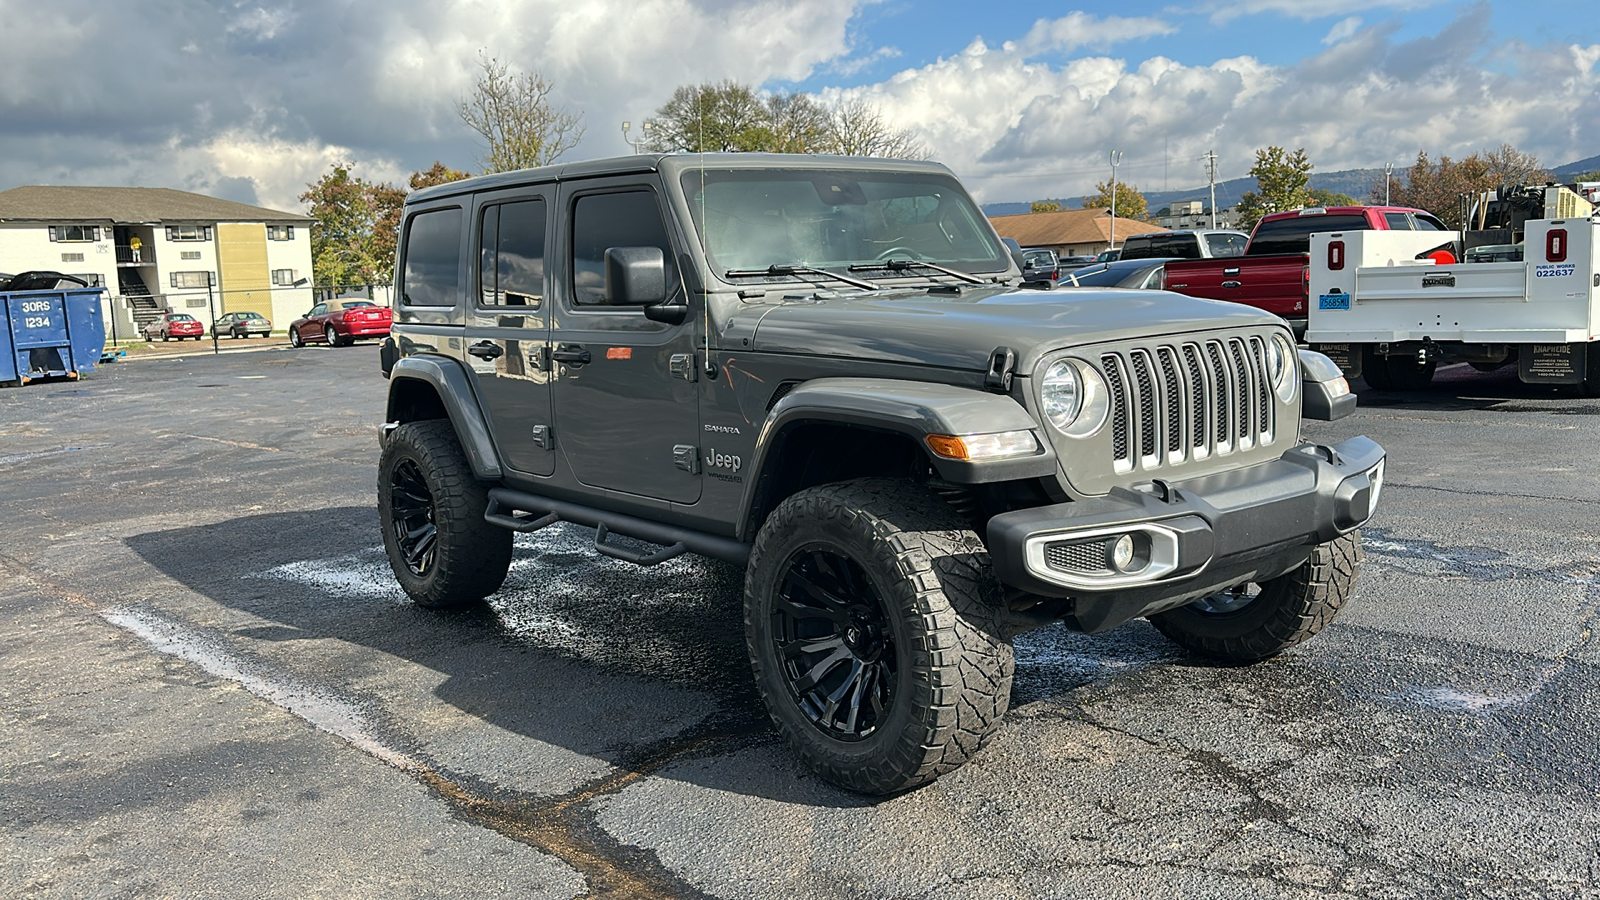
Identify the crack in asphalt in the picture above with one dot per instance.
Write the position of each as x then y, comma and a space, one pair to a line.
1499, 495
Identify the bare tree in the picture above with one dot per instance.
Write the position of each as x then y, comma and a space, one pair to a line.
799, 124
858, 129
1508, 165
514, 114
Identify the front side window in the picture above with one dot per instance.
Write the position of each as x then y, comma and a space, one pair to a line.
193, 279
750, 220
432, 258
188, 232
511, 254
603, 221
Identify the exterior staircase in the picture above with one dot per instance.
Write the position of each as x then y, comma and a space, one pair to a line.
146, 308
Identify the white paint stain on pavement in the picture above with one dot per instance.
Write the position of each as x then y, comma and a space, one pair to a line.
337, 717
1456, 700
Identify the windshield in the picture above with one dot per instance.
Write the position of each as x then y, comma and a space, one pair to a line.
756, 219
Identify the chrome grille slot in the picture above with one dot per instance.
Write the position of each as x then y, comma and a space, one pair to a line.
1173, 404
1121, 453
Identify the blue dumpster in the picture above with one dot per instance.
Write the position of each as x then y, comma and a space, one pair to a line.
44, 333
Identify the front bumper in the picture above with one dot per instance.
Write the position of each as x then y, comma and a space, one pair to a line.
1190, 538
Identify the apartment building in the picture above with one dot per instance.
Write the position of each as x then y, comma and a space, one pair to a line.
158, 249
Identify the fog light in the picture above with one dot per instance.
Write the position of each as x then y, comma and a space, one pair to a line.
1121, 553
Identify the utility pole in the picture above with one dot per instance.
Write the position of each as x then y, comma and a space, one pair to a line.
1388, 169
1211, 166
1116, 159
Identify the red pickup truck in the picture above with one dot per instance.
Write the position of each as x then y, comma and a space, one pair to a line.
1274, 270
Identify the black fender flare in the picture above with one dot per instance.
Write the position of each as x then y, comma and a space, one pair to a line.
450, 382
914, 409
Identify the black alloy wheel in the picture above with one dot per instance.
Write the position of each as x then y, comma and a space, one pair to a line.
838, 650
412, 518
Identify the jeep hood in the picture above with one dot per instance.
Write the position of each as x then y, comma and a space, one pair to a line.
960, 331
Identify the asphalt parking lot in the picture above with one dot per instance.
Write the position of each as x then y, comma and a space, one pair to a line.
211, 686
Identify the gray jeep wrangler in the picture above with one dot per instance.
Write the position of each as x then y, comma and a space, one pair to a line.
825, 370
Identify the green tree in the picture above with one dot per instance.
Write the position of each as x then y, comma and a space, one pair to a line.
349, 243
514, 114
1130, 203
1281, 184
1324, 197
438, 173
1045, 206
731, 117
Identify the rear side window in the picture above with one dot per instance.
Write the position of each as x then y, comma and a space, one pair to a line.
603, 221
1284, 236
511, 256
1138, 247
433, 258
1226, 245
1426, 222
1398, 221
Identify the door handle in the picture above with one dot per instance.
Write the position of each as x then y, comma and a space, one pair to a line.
1231, 284
486, 350
571, 353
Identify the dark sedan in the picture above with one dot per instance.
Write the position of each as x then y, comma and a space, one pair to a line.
1150, 274
241, 325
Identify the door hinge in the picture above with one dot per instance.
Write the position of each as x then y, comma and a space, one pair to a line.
682, 366
539, 358
543, 437
686, 458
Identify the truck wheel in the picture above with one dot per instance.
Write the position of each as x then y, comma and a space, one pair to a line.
441, 550
1406, 375
1375, 369
872, 621
1255, 621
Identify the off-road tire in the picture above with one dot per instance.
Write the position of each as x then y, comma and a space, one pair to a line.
933, 582
471, 556
295, 340
1289, 609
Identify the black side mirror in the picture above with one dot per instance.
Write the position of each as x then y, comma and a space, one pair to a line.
635, 276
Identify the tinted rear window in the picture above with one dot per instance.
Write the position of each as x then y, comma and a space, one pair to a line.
1154, 246
432, 258
1294, 235
1226, 245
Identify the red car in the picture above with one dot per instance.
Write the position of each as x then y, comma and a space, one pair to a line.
174, 325
341, 323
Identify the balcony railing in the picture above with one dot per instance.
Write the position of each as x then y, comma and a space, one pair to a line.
145, 256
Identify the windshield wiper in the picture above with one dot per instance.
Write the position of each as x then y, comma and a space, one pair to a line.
900, 265
796, 271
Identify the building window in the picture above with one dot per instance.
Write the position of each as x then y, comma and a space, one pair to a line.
188, 232
189, 254
193, 279
280, 232
91, 280
283, 277
72, 257
74, 233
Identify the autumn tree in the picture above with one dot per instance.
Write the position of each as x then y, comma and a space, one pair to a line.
1045, 206
349, 243
1282, 181
516, 117
1444, 188
1130, 203
438, 173
731, 117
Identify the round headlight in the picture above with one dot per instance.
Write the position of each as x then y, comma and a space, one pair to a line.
1060, 395
1283, 367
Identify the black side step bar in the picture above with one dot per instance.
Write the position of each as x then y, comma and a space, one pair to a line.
504, 503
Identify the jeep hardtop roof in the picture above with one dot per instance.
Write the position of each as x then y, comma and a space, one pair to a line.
670, 165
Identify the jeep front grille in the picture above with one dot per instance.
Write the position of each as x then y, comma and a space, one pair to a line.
1175, 403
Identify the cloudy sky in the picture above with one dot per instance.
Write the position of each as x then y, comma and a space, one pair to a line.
252, 100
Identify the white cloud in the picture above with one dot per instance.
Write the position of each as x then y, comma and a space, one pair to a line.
1078, 29
1344, 29
1018, 129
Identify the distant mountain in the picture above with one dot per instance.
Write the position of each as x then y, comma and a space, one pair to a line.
1357, 183
1576, 168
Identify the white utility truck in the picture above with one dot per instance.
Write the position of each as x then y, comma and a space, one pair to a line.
1390, 307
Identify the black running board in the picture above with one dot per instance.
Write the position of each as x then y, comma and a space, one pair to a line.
521, 511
